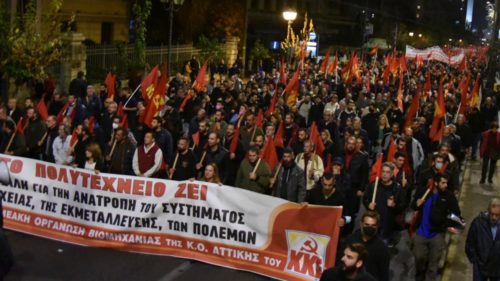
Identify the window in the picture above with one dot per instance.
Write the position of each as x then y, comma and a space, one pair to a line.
106, 32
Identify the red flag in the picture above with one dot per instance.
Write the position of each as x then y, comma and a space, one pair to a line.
282, 72
355, 69
278, 138
124, 123
346, 70
42, 109
148, 85
400, 92
402, 64
316, 139
20, 126
292, 89
329, 164
74, 138
269, 154
419, 61
234, 142
333, 66
157, 100
272, 106
91, 124
436, 131
259, 120
119, 111
386, 75
110, 84
392, 150
199, 84
188, 96
324, 64
412, 111
463, 64
376, 169
196, 139
427, 85
474, 100
374, 51
464, 87
60, 115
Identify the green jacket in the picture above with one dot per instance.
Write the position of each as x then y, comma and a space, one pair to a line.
261, 184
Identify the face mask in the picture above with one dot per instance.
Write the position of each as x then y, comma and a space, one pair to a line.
115, 126
369, 231
218, 106
438, 166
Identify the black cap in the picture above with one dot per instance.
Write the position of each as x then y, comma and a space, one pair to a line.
338, 161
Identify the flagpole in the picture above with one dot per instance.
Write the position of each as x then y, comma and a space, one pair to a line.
174, 165
256, 166
11, 140
133, 93
375, 190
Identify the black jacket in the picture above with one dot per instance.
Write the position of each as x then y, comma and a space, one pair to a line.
295, 187
445, 204
480, 247
377, 263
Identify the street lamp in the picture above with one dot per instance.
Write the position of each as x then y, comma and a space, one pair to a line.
420, 35
171, 5
289, 15
411, 33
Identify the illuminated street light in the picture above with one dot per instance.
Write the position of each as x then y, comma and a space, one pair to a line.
411, 34
450, 39
289, 15
420, 35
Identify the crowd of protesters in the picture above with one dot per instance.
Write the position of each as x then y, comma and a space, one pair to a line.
360, 116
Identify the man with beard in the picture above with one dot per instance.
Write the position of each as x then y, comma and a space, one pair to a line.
83, 135
328, 123
34, 132
378, 259
235, 157
356, 165
121, 157
483, 243
186, 162
291, 129
251, 176
388, 202
351, 267
325, 193
429, 242
290, 181
106, 119
250, 132
215, 153
202, 139
298, 145
163, 138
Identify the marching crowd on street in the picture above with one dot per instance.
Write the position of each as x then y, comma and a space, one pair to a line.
378, 133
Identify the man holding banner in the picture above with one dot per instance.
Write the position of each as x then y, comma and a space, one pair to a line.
254, 173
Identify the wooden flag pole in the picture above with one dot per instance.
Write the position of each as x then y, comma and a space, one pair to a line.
174, 165
202, 157
375, 190
256, 166
11, 140
112, 149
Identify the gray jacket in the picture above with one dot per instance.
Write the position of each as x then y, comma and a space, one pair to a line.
296, 185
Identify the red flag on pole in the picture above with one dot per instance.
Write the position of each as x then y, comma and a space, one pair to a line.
436, 131
110, 84
324, 64
20, 126
402, 63
278, 139
474, 100
259, 120
392, 150
269, 154
272, 106
316, 139
399, 97
124, 123
412, 111
200, 79
148, 85
427, 85
196, 139
157, 100
282, 72
376, 169
74, 138
42, 109
234, 142
119, 111
292, 89
333, 66
91, 124
464, 87
374, 51
60, 115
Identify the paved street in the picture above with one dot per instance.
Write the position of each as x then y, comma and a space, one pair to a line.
42, 259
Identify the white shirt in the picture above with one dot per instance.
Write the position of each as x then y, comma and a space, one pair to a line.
156, 166
89, 166
60, 150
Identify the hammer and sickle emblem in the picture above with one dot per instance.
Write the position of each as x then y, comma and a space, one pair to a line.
157, 101
150, 91
310, 246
